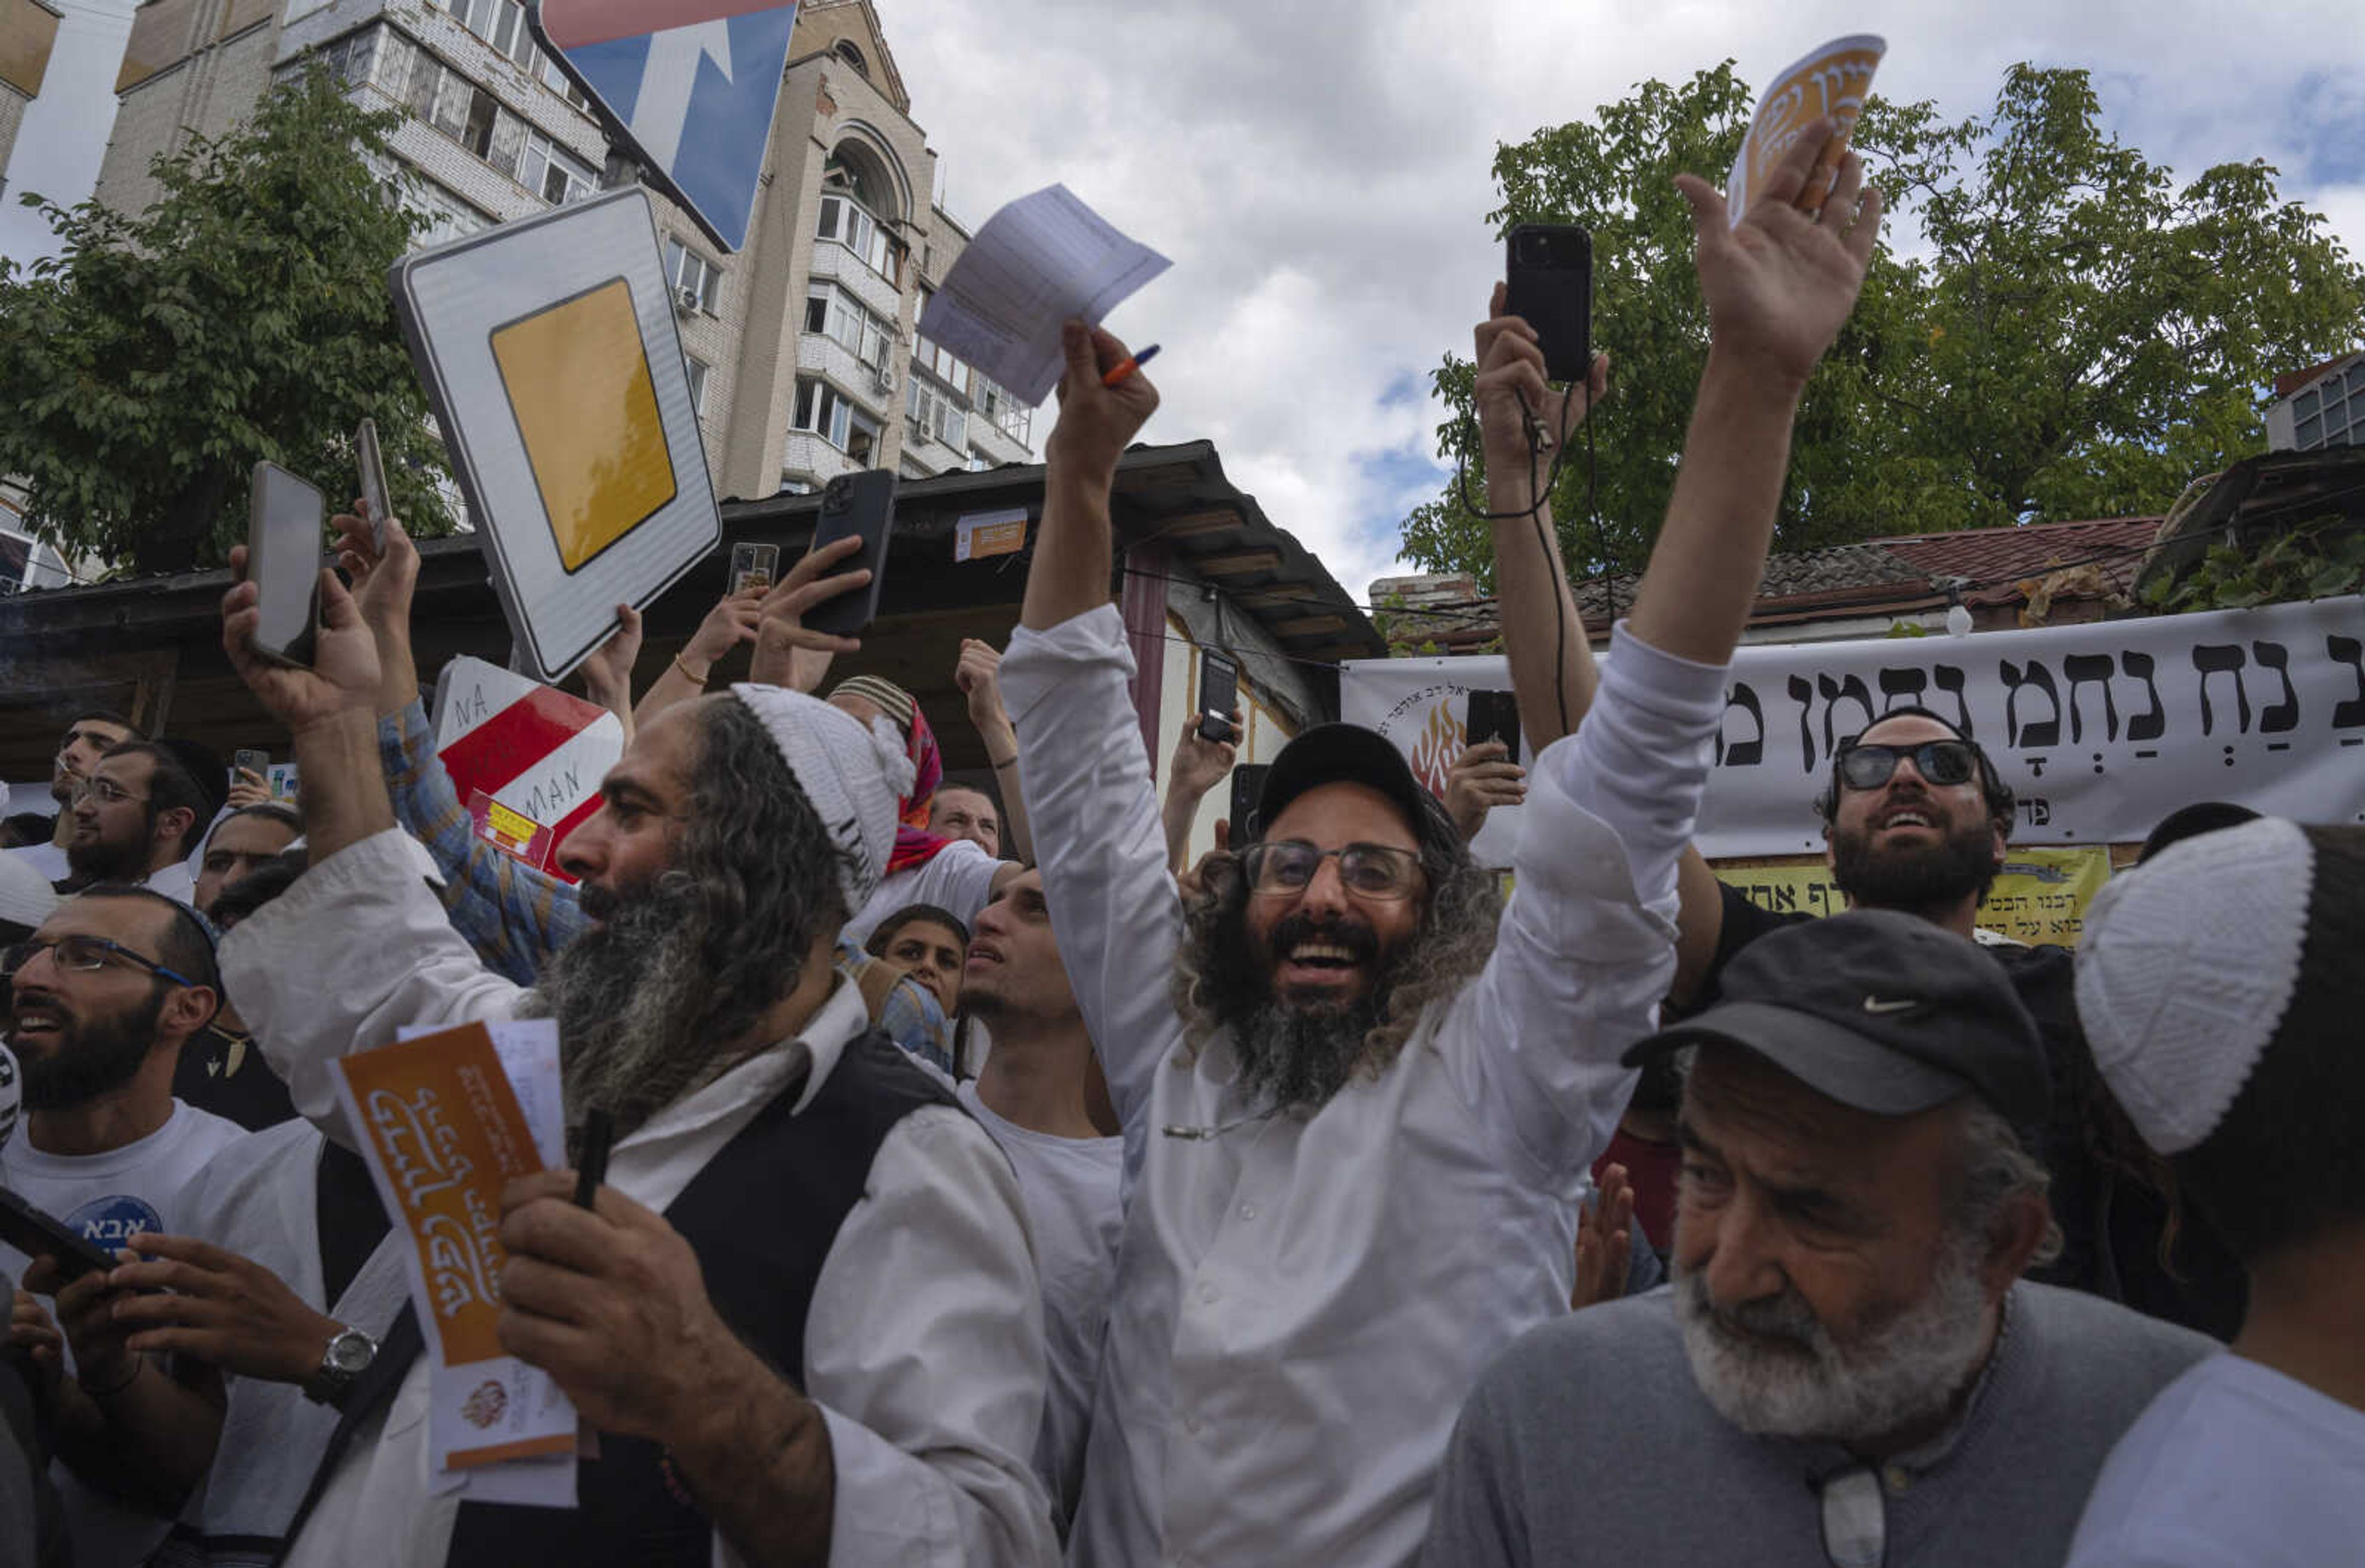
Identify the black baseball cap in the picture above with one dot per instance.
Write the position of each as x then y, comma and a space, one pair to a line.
1332, 754
1879, 1010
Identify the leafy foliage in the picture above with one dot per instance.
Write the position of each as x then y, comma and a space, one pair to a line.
244, 316
2315, 560
2050, 328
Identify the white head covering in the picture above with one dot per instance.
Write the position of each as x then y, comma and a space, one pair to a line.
853, 776
26, 896
2184, 972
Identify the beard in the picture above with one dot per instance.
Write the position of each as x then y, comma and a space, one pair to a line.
88, 1059
1773, 1369
1298, 1051
99, 861
1960, 865
633, 1001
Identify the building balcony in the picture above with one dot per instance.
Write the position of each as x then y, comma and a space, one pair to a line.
996, 444
871, 390
834, 262
927, 453
809, 456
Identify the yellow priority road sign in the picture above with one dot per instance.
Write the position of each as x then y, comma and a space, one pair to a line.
550, 356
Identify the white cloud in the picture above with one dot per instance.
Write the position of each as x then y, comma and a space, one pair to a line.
62, 137
1318, 171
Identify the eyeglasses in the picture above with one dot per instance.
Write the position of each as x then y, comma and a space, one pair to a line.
83, 954
1367, 870
109, 791
1940, 761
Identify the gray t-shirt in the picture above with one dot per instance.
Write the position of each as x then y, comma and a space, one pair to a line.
1589, 1442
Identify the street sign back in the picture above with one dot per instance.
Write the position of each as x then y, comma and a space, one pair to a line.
689, 85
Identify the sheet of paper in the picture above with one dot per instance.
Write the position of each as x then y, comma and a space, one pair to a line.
1036, 262
442, 1129
1833, 80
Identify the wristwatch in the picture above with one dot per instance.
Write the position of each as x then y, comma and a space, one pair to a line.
347, 1356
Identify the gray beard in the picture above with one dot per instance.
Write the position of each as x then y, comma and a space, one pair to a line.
1902, 1371
633, 1002
1294, 1061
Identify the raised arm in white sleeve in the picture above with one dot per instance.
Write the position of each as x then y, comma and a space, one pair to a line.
1114, 907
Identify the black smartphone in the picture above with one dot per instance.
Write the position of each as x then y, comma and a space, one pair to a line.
1494, 716
373, 477
1549, 280
1248, 783
283, 559
40, 1235
861, 505
1220, 693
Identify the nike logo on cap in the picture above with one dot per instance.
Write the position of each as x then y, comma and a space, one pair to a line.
1874, 1004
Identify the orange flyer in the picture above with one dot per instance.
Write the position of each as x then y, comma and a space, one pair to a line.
1835, 80
443, 1130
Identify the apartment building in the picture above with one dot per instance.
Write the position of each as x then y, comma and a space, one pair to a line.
28, 31
802, 348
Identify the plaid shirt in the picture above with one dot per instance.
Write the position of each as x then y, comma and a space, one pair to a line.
516, 916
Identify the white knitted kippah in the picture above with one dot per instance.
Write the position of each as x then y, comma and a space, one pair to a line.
853, 776
2184, 972
26, 896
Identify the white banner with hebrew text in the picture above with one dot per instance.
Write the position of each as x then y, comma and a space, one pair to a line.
2103, 728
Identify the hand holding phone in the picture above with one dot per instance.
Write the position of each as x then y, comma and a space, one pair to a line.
38, 1234
1248, 784
1220, 693
1494, 716
854, 506
373, 477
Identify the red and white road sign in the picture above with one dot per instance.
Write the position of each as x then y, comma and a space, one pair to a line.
572, 23
525, 759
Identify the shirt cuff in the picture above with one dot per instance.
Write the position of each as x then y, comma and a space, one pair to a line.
1668, 684
1038, 662
886, 1507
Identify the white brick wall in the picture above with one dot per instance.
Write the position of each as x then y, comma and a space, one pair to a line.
12, 114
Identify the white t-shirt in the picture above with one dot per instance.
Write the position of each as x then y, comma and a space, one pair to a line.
1073, 1208
46, 858
107, 1197
2233, 1466
959, 879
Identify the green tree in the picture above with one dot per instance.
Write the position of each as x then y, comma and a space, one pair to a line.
244, 315
2051, 329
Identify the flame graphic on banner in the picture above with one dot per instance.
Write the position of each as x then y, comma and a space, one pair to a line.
1439, 745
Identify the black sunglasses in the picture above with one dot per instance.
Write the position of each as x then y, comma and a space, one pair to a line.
1940, 761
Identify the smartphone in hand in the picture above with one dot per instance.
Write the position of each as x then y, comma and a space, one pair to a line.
752, 567
860, 505
283, 560
1549, 281
1494, 716
1220, 693
38, 1234
1248, 785
373, 476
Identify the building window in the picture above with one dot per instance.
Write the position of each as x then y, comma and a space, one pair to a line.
845, 50
934, 414
1010, 417
551, 172
844, 220
696, 369
351, 58
938, 359
862, 439
822, 410
834, 313
692, 276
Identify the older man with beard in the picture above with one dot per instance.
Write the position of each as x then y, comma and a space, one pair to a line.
1918, 819
1848, 1368
802, 1317
1357, 1127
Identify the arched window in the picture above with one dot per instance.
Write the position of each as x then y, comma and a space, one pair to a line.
855, 169
844, 50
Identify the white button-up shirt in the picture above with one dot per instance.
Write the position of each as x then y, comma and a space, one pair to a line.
924, 1339
1302, 1305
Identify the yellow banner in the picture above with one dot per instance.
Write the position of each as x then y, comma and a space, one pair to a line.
2041, 895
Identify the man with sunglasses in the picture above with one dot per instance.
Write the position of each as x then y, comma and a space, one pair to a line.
1359, 1097
101, 1000
1917, 819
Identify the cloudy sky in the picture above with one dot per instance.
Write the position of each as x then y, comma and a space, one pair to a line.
1318, 169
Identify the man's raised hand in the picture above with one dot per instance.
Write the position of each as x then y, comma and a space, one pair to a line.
343, 680
1510, 364
384, 579
1780, 283
1096, 423
781, 632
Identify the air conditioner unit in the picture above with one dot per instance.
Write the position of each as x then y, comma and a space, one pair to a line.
685, 301
881, 378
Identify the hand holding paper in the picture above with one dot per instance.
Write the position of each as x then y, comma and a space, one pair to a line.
1831, 83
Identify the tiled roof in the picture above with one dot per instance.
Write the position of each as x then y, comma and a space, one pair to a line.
1996, 559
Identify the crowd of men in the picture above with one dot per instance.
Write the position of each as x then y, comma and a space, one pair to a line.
988, 1187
